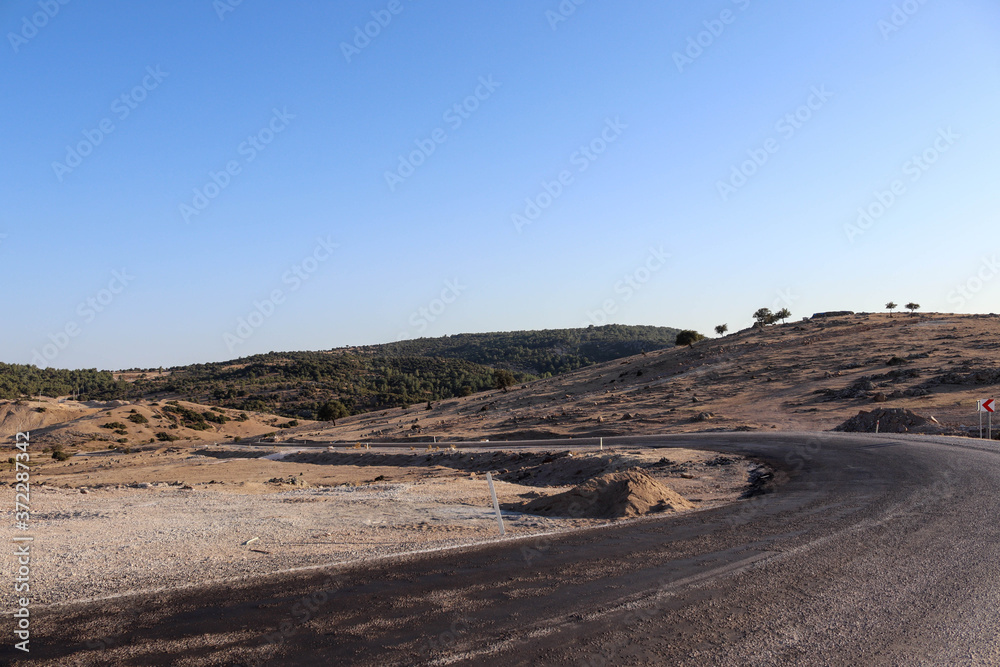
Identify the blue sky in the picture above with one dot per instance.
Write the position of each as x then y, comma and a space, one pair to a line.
196, 181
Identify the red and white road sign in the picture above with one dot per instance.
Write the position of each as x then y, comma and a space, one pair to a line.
987, 405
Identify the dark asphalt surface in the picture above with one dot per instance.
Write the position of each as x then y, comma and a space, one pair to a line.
873, 550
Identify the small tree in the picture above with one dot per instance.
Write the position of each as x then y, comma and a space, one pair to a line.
331, 411
502, 378
891, 306
764, 316
722, 329
688, 337
912, 307
782, 315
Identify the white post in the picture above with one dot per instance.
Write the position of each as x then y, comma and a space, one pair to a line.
496, 504
980, 409
602, 444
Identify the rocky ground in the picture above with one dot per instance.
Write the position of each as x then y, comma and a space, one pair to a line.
109, 523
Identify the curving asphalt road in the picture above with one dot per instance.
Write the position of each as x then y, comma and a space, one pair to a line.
873, 550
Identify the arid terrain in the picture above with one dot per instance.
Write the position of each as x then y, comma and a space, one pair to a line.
253, 494
802, 376
807, 375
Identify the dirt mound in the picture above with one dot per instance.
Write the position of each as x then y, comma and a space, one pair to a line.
611, 496
887, 420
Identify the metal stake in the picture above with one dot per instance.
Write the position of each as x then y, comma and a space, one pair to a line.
496, 504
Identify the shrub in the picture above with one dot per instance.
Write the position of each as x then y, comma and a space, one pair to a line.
163, 436
137, 418
215, 417
115, 426
60, 454
502, 379
331, 411
688, 337
764, 316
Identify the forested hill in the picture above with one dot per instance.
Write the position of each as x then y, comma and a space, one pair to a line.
551, 351
330, 384
18, 381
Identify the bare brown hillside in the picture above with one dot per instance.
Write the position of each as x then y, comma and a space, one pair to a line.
807, 375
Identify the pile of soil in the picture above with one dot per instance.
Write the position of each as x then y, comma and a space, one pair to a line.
889, 420
611, 496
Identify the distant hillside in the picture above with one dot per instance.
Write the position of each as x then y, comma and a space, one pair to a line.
301, 384
17, 381
311, 385
540, 353
801, 376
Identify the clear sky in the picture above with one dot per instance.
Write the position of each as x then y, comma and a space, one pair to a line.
195, 181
